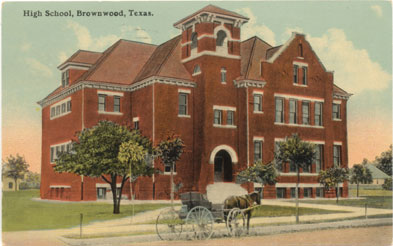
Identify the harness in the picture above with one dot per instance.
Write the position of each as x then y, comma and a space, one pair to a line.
245, 198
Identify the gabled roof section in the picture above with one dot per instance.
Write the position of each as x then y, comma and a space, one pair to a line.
340, 93
376, 173
83, 57
120, 63
253, 51
212, 9
270, 52
165, 62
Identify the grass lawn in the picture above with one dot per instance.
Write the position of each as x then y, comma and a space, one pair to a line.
21, 213
276, 211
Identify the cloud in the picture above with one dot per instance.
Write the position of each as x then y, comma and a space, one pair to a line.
86, 41
25, 47
377, 9
136, 33
354, 69
62, 56
253, 29
38, 68
288, 33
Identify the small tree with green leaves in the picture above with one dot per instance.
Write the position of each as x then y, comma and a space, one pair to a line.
32, 181
387, 185
384, 161
259, 173
170, 151
360, 174
298, 152
332, 177
15, 167
105, 151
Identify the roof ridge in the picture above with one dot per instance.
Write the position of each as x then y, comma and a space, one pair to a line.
263, 41
138, 42
169, 53
105, 55
250, 58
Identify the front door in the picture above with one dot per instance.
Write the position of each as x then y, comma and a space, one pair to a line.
222, 167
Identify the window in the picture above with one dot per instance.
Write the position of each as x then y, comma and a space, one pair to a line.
223, 75
280, 192
337, 155
53, 112
101, 193
167, 168
230, 117
295, 73
304, 75
318, 157
65, 78
217, 117
257, 103
56, 150
63, 108
318, 114
58, 110
292, 111
279, 109
300, 50
257, 151
10, 185
319, 192
292, 167
221, 35
183, 98
307, 192
69, 106
336, 111
278, 163
293, 192
306, 113
136, 125
101, 102
307, 169
116, 104
197, 70
194, 40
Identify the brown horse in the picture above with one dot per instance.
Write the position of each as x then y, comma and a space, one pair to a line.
242, 202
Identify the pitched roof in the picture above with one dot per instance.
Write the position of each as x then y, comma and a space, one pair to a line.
120, 63
376, 172
270, 52
212, 9
340, 92
166, 62
83, 56
253, 51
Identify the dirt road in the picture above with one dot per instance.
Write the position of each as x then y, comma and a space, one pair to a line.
369, 236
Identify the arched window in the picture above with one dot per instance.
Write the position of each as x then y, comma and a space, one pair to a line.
194, 40
221, 35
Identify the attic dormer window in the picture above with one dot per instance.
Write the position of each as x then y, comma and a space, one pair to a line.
65, 78
221, 35
194, 40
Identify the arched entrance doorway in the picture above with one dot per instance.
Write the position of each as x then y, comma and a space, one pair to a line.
222, 167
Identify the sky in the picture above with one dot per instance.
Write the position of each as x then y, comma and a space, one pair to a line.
354, 39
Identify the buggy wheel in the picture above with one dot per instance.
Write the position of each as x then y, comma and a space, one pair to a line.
200, 223
236, 222
169, 225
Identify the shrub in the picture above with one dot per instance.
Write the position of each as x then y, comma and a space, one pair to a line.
387, 185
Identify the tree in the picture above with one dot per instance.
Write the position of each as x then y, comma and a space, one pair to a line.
15, 168
384, 162
104, 151
298, 152
360, 174
332, 177
32, 181
387, 185
170, 151
259, 173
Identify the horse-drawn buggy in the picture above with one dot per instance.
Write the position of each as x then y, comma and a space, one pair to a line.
196, 218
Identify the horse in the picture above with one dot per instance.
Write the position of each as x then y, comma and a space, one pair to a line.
242, 202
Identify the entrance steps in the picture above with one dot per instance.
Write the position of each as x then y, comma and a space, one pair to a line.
219, 191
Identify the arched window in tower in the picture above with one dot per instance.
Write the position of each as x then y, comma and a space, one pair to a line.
194, 40
221, 35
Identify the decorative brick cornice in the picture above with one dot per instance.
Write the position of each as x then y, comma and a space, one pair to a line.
337, 96
115, 87
249, 83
